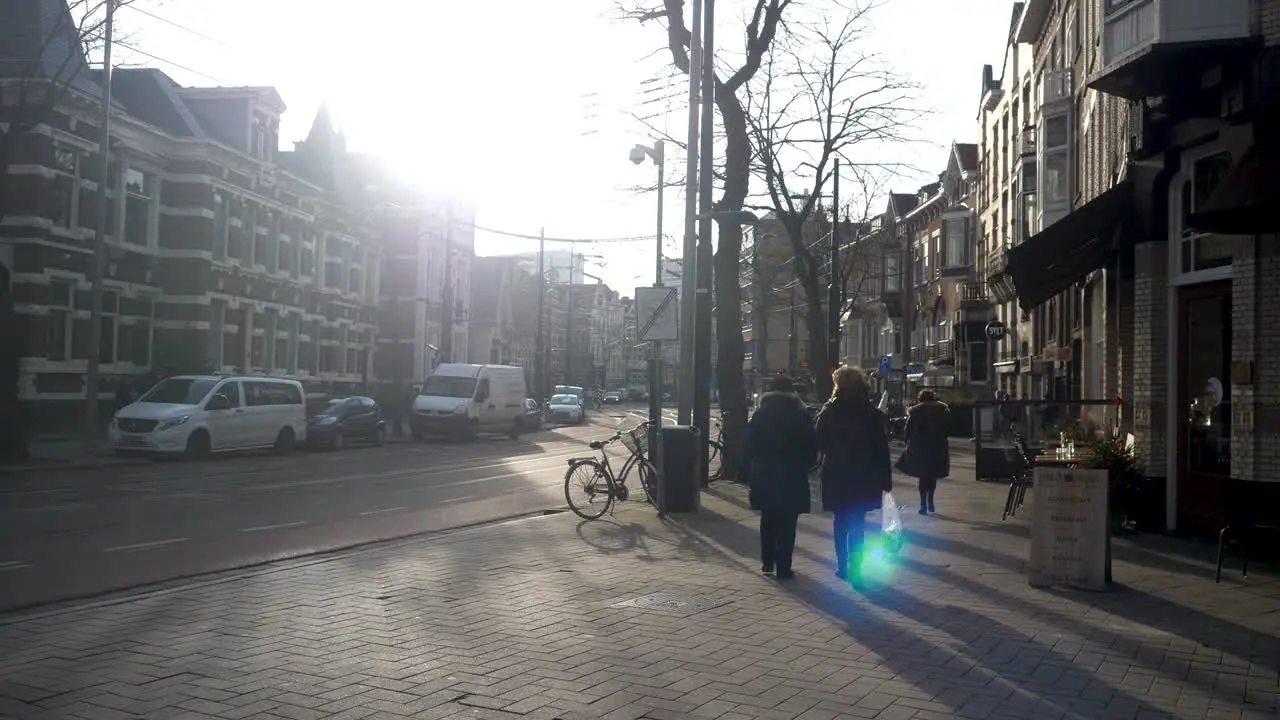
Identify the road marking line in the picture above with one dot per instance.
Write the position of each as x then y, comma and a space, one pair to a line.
295, 523
56, 508
383, 510
12, 565
141, 546
461, 499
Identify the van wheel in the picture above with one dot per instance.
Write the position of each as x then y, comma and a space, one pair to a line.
284, 441
515, 429
472, 431
198, 445
380, 436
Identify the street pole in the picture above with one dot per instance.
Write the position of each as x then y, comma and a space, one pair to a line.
446, 319
836, 281
100, 246
655, 362
702, 333
689, 258
568, 322
539, 359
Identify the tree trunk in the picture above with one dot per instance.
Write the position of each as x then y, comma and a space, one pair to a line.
816, 319
728, 293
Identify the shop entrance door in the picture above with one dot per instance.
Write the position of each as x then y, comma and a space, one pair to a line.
1204, 405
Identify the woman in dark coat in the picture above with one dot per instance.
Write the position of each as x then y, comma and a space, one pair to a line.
855, 468
928, 453
779, 450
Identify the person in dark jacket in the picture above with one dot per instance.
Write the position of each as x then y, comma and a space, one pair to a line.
928, 450
780, 449
855, 468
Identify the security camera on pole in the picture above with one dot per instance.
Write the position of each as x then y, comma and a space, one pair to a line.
638, 155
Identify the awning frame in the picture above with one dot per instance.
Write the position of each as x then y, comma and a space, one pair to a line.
1064, 253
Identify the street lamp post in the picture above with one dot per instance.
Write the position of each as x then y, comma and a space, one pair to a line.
836, 283
658, 155
91, 375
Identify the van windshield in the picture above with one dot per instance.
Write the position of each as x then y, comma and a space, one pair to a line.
453, 387
179, 391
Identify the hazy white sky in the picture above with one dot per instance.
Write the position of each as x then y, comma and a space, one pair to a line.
523, 106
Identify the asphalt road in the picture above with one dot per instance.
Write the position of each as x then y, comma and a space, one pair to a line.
77, 533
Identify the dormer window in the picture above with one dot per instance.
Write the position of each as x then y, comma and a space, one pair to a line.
264, 141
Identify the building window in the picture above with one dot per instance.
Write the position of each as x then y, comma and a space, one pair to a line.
64, 200
138, 188
219, 227
57, 323
1203, 251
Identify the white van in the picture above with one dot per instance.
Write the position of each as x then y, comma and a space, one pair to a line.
199, 414
463, 400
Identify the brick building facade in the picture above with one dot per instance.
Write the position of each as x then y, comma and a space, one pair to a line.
1157, 261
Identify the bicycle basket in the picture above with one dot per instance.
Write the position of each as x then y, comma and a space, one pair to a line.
636, 440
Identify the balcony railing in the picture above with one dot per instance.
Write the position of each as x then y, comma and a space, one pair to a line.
942, 351
973, 292
1057, 85
1133, 29
919, 354
1027, 141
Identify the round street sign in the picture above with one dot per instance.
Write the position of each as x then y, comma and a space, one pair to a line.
996, 330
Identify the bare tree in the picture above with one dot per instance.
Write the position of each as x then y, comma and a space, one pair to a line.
735, 183
821, 97
41, 73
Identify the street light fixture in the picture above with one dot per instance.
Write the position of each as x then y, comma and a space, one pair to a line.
657, 153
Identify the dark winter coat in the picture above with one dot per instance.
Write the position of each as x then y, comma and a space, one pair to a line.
928, 450
780, 448
855, 470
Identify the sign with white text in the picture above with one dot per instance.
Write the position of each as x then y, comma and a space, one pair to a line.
1069, 528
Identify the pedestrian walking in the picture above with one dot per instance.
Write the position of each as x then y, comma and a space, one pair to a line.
780, 448
928, 453
855, 468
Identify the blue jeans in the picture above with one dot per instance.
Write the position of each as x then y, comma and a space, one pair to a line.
849, 528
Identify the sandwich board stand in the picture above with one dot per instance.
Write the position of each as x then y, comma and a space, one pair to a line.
1070, 536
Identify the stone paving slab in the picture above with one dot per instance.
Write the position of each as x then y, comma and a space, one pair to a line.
555, 618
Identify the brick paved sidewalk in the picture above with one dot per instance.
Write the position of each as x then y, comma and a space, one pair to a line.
523, 620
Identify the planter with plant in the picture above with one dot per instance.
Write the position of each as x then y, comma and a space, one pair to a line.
1111, 451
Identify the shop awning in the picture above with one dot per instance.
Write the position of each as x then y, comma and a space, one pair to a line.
1244, 202
1061, 255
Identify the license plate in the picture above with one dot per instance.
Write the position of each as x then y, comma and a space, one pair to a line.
135, 440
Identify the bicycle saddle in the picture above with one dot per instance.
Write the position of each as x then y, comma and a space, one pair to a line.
596, 445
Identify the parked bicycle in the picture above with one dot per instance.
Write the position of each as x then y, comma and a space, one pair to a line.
599, 486
715, 452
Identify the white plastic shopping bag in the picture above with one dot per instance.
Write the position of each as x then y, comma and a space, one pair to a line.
891, 523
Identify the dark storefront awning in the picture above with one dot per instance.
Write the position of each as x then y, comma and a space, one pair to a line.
1061, 255
1244, 202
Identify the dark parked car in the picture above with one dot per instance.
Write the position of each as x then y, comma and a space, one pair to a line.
346, 419
531, 421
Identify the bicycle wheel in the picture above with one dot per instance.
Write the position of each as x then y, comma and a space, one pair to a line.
593, 487
648, 480
715, 460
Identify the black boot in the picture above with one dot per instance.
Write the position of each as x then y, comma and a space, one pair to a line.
924, 503
931, 508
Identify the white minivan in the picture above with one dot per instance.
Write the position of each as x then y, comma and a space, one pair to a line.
199, 414
463, 400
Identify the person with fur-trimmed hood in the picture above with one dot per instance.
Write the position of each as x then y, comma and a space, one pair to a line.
780, 448
928, 453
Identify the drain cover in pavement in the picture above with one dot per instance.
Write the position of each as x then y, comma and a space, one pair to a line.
671, 603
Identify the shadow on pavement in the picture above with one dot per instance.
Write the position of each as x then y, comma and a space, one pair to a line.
970, 663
